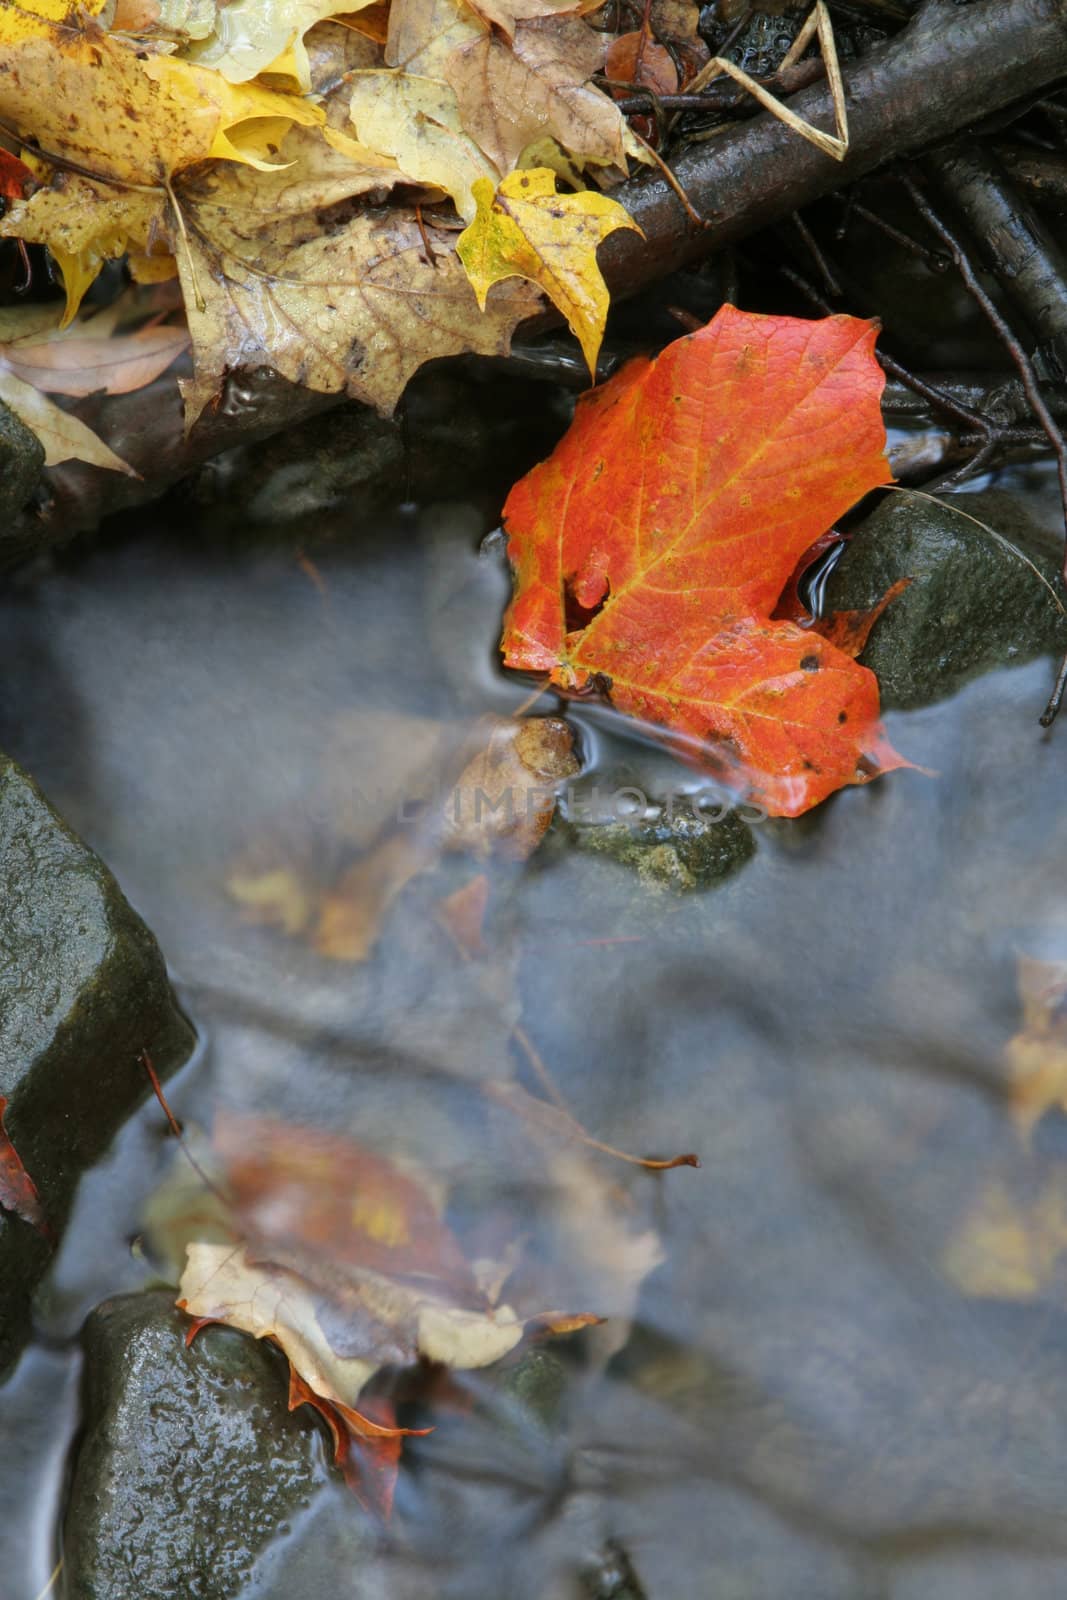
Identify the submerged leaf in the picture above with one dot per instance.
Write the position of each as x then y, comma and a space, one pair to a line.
64, 437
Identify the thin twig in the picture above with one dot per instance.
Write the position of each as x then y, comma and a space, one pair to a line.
935, 259
690, 210
814, 250
1027, 375
178, 1131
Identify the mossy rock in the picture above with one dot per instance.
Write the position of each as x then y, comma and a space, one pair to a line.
680, 852
83, 990
972, 604
190, 1463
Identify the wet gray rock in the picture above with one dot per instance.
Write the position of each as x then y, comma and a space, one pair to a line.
190, 1463
681, 852
972, 604
83, 989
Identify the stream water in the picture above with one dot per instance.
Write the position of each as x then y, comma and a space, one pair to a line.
807, 1406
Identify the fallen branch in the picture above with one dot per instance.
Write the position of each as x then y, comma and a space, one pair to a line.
951, 65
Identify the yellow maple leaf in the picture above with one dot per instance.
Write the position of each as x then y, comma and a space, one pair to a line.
85, 224
527, 230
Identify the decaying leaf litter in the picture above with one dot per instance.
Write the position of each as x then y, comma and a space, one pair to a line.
306, 179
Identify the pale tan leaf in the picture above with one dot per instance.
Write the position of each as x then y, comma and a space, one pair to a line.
64, 437
506, 14
88, 365
510, 95
268, 1301
424, 33
415, 121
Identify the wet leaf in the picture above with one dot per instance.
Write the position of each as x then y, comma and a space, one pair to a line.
342, 1260
649, 551
505, 797
18, 1192
140, 117
537, 86
634, 58
369, 1463
87, 365
249, 36
64, 437
527, 230
424, 33
415, 121
15, 176
356, 308
508, 13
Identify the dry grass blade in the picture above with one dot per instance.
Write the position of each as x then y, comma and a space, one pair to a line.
817, 23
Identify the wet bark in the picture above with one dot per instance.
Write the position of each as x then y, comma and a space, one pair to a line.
1014, 243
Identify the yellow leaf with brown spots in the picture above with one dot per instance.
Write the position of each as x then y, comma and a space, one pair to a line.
527, 230
355, 308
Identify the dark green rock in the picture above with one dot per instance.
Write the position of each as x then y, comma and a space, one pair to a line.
190, 1463
83, 989
972, 604
21, 460
682, 852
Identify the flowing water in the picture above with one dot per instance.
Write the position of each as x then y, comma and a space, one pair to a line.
805, 1405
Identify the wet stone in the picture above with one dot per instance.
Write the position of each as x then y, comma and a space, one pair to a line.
681, 852
535, 1385
972, 604
83, 989
21, 460
190, 1464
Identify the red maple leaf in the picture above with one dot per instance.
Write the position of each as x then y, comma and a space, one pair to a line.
650, 550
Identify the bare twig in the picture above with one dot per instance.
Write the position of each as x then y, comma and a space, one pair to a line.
1027, 376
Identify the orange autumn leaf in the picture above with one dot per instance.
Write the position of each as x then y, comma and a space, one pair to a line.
366, 1449
650, 549
18, 1192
